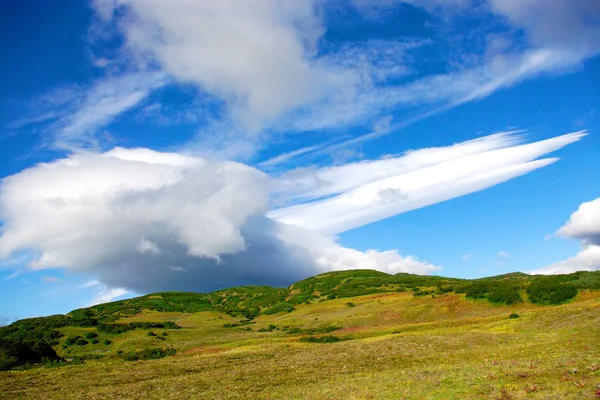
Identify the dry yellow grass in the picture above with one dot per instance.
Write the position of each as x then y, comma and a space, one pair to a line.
403, 348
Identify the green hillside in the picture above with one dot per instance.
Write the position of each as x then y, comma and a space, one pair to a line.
348, 334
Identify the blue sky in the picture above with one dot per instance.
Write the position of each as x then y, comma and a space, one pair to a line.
151, 146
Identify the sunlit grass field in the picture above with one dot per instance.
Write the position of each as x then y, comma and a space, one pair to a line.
394, 345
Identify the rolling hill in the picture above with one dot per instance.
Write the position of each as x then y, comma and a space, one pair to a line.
348, 334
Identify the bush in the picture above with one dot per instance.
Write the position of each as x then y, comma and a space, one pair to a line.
149, 354
550, 291
107, 342
94, 341
476, 290
91, 335
513, 316
14, 354
507, 294
350, 304
81, 342
120, 328
71, 340
279, 307
320, 339
150, 333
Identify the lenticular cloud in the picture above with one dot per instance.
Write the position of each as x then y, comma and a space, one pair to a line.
147, 221
369, 191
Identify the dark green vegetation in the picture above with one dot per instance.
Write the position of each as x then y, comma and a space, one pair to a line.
36, 340
321, 339
148, 354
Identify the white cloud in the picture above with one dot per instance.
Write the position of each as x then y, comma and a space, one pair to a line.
443, 92
572, 25
146, 221
584, 224
76, 115
257, 56
147, 247
503, 254
269, 63
467, 257
588, 259
99, 105
106, 295
89, 284
422, 178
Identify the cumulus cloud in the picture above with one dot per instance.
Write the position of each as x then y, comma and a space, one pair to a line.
254, 55
572, 25
418, 179
139, 220
584, 225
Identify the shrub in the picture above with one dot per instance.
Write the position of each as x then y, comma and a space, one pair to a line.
550, 291
120, 328
279, 307
14, 354
476, 290
507, 294
150, 333
81, 342
350, 304
320, 339
91, 335
513, 316
71, 340
94, 341
326, 329
149, 354
107, 342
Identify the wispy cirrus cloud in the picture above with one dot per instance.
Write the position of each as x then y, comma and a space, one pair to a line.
276, 74
373, 190
105, 295
72, 118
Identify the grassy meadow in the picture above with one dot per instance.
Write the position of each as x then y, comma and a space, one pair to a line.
393, 344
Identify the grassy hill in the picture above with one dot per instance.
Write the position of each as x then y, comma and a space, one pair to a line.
348, 334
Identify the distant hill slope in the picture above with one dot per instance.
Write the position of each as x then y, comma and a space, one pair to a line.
37, 340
